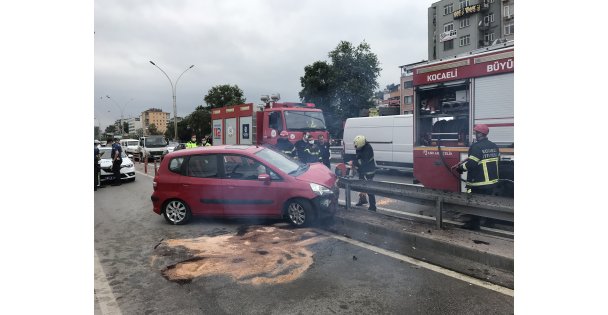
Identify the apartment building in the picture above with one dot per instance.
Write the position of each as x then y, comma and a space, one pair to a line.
134, 124
154, 116
459, 26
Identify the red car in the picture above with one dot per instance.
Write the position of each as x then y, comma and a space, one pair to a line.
242, 181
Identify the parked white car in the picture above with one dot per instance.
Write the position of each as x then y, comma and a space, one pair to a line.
127, 169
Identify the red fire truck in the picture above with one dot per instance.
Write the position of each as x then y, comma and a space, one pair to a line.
450, 97
250, 124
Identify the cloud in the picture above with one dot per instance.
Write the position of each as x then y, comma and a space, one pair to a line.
260, 45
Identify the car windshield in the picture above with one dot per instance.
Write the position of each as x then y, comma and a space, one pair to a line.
156, 142
304, 121
106, 153
291, 167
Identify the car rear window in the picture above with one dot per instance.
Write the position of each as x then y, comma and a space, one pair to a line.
203, 166
175, 165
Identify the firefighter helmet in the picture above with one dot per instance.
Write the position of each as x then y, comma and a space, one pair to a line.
284, 134
482, 129
359, 141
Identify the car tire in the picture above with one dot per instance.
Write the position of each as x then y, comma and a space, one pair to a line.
299, 212
176, 212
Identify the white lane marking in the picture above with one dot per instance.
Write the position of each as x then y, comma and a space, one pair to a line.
103, 292
447, 272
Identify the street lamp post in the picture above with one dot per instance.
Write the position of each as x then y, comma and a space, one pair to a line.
173, 90
122, 110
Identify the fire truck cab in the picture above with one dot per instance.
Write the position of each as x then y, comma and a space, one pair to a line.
261, 125
450, 97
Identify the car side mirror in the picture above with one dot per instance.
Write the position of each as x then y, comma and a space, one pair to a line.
265, 178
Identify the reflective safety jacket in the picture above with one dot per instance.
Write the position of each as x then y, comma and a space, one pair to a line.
312, 153
190, 144
364, 160
482, 164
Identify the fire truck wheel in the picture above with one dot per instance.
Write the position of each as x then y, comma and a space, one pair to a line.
176, 212
299, 212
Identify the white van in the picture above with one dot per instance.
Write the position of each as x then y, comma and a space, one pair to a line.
391, 138
129, 145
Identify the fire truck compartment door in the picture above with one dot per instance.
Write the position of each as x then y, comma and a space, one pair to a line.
217, 132
246, 127
494, 106
231, 131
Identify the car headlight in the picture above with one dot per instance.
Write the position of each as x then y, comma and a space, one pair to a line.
320, 190
128, 165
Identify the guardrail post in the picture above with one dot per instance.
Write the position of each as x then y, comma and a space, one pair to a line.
438, 212
146, 166
347, 196
154, 166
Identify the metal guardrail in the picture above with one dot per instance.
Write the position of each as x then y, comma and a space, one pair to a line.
494, 207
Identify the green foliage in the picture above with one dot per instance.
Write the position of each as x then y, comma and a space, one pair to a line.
125, 127
343, 87
200, 122
152, 130
110, 129
223, 95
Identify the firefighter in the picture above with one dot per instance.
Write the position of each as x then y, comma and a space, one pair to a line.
311, 152
365, 164
116, 162
300, 146
284, 145
482, 168
324, 148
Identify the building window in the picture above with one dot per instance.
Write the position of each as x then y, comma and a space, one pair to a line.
448, 27
449, 44
464, 3
507, 11
465, 22
465, 40
407, 100
448, 9
407, 84
509, 29
488, 37
488, 19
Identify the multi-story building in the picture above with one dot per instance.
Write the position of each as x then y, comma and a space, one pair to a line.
134, 124
459, 26
406, 91
154, 116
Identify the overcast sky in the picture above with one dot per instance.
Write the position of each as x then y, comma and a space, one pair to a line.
260, 45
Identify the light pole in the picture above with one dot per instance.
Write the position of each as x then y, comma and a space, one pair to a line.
122, 110
173, 90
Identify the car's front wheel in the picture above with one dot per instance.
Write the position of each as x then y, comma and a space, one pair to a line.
299, 212
177, 212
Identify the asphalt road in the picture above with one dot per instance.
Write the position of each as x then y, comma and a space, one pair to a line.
224, 266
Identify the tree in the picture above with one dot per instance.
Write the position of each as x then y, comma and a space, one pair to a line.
343, 87
200, 122
96, 132
125, 127
111, 129
152, 130
222, 95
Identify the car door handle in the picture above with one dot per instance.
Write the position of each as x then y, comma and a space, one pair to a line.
185, 185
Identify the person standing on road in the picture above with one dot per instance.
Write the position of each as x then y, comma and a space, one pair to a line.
311, 152
97, 167
300, 146
116, 162
365, 164
324, 150
482, 168
206, 142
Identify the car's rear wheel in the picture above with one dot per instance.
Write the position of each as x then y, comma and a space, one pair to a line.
177, 212
299, 212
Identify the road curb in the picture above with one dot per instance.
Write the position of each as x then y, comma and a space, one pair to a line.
475, 251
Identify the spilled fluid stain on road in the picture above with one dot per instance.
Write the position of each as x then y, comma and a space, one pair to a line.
254, 255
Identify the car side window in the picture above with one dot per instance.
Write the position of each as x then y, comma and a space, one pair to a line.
175, 165
242, 167
204, 166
